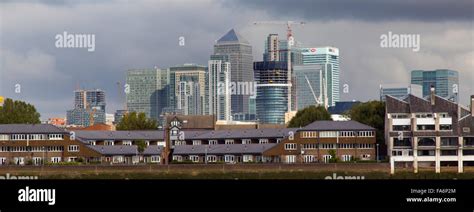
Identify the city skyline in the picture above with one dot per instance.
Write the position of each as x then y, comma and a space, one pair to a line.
48, 76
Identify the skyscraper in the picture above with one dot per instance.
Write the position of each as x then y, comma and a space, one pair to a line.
89, 105
445, 81
240, 56
308, 85
187, 89
400, 91
272, 91
328, 58
219, 98
147, 91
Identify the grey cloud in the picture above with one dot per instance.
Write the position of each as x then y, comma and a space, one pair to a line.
366, 10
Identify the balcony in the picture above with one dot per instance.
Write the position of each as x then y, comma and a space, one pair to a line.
425, 121
426, 143
405, 121
447, 143
468, 142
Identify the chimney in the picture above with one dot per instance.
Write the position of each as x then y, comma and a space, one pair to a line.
472, 105
432, 96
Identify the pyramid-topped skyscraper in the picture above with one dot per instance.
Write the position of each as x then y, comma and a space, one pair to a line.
239, 52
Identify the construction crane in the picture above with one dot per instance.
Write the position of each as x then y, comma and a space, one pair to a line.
290, 42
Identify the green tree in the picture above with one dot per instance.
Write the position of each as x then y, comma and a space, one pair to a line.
371, 113
334, 158
309, 115
18, 112
134, 121
141, 145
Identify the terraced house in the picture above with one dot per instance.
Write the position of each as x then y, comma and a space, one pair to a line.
36, 144
350, 140
431, 132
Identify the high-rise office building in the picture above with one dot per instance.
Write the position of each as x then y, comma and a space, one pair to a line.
89, 105
400, 91
328, 58
309, 86
240, 56
148, 89
272, 91
187, 89
445, 82
219, 98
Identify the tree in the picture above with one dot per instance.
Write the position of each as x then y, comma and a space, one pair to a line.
309, 115
134, 121
371, 113
18, 112
141, 145
334, 158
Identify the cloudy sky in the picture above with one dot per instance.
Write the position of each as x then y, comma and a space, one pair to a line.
145, 33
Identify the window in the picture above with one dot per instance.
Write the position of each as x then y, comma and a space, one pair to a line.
127, 143
229, 141
366, 133
309, 159
290, 158
424, 115
246, 141
55, 137
327, 146
346, 134
365, 146
109, 143
178, 158
290, 146
401, 128
196, 142
346, 158
4, 138
211, 158
155, 158
229, 158
73, 148
445, 127
309, 134
3, 160
37, 160
309, 146
55, 159
365, 156
194, 158
346, 146
326, 158
92, 142
212, 142
263, 141
248, 158
327, 134
425, 127
117, 159
400, 116
72, 159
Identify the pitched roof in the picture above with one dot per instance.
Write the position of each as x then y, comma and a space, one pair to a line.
125, 150
222, 149
232, 36
119, 135
240, 133
30, 128
337, 125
